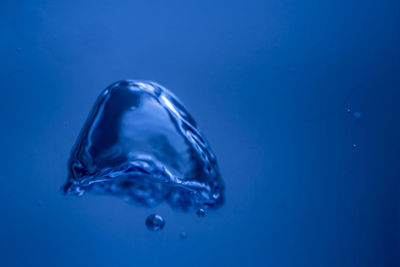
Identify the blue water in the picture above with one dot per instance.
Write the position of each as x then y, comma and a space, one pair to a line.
269, 83
140, 143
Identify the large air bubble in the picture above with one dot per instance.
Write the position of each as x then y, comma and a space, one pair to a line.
140, 143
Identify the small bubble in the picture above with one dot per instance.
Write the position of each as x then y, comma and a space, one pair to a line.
348, 110
183, 235
357, 115
155, 222
201, 212
354, 145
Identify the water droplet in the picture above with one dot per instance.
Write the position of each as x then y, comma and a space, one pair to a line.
348, 110
201, 212
183, 235
354, 145
357, 115
141, 144
155, 222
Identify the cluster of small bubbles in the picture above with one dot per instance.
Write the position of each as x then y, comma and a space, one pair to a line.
201, 212
155, 222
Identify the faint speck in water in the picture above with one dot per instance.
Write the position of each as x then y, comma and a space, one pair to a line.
39, 203
201, 212
357, 115
183, 235
18, 50
155, 222
354, 145
348, 110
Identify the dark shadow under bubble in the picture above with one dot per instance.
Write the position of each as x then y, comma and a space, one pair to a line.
141, 144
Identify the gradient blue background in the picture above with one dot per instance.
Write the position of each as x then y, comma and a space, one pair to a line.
269, 83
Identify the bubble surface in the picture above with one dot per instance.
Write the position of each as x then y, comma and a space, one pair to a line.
155, 222
141, 144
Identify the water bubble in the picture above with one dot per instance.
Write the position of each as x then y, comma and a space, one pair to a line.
354, 145
140, 143
357, 115
201, 212
348, 110
155, 222
183, 235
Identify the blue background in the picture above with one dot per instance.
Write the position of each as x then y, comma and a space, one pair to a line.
268, 82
